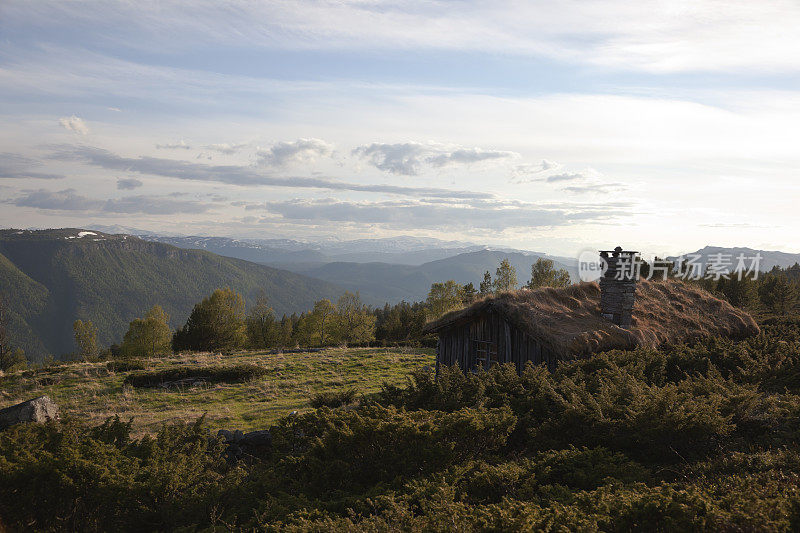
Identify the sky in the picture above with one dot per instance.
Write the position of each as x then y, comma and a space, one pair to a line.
550, 126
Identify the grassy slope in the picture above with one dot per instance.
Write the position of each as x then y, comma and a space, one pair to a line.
112, 281
91, 392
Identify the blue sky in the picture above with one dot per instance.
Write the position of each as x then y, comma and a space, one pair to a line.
556, 126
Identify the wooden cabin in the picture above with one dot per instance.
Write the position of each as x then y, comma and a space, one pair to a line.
485, 337
545, 326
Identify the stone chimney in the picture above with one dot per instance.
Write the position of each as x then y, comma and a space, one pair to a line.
618, 285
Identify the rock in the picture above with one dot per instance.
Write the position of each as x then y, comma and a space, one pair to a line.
226, 435
37, 410
257, 438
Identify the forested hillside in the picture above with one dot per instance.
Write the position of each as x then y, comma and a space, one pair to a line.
51, 278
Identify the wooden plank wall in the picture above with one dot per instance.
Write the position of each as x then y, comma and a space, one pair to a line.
515, 346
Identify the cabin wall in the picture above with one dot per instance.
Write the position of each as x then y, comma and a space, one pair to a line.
460, 345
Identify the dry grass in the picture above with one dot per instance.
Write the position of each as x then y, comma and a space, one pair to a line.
568, 320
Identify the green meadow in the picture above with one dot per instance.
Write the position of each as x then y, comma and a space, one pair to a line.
93, 392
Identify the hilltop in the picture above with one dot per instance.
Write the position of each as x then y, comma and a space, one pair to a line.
53, 277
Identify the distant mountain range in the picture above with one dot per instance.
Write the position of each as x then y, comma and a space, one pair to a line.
769, 259
395, 250
382, 270
382, 282
54, 277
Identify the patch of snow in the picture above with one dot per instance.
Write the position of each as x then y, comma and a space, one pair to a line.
85, 233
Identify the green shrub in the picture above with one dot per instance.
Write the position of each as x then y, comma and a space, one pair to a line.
679, 439
333, 399
56, 477
207, 374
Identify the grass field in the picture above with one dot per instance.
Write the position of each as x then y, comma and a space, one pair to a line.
90, 391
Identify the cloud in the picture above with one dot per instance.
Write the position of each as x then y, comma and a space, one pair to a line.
128, 184
237, 175
154, 205
435, 214
299, 151
599, 188
407, 159
74, 124
225, 148
70, 200
64, 200
565, 177
401, 158
15, 166
180, 145
524, 173
467, 156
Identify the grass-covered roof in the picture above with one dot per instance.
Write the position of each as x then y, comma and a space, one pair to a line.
568, 320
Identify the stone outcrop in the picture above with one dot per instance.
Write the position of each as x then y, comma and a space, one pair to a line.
37, 410
240, 443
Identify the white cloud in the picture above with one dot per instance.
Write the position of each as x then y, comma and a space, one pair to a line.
180, 145
226, 148
299, 151
128, 184
401, 158
408, 158
71, 200
74, 124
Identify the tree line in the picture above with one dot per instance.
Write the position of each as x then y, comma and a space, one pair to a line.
221, 322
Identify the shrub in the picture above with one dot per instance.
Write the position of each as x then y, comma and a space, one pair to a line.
208, 374
333, 399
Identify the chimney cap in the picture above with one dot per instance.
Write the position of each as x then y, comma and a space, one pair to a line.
617, 252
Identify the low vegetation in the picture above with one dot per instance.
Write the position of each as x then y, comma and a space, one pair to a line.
267, 385
189, 375
700, 438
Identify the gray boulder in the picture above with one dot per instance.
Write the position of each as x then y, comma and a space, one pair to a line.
37, 410
257, 438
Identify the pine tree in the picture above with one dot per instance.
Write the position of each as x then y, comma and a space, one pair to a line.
215, 324
505, 277
739, 292
469, 293
486, 286
778, 294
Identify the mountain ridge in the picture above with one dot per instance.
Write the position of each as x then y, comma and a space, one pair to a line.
53, 277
